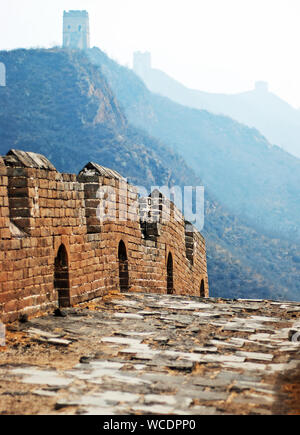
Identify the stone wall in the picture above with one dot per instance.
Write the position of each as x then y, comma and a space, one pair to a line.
66, 239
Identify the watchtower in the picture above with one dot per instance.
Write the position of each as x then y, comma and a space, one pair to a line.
141, 63
76, 30
261, 87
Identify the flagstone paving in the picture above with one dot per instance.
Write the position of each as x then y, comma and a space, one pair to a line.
155, 354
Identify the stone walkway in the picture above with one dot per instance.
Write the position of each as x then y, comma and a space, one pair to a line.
159, 354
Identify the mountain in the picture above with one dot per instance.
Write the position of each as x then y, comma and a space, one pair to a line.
254, 180
259, 108
58, 103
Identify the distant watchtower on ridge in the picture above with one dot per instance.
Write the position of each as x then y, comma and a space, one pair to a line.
76, 30
141, 63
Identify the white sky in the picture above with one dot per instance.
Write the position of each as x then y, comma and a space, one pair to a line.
211, 45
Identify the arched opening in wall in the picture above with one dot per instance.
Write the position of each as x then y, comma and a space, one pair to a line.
170, 286
123, 267
202, 289
61, 277
189, 241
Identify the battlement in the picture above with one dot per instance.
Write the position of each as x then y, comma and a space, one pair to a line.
74, 13
66, 238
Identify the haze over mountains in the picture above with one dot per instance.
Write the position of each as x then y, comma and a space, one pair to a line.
258, 108
254, 180
75, 109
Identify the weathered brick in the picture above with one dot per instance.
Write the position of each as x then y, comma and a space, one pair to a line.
55, 209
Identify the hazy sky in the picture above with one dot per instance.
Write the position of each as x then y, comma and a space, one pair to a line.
211, 45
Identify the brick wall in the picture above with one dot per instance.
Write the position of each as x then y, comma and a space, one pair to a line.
66, 239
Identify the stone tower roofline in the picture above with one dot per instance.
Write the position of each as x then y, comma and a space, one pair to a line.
76, 13
94, 168
26, 159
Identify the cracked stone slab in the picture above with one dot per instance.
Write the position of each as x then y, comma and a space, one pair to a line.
238, 328
214, 383
134, 334
198, 357
162, 360
128, 316
115, 397
42, 377
59, 341
245, 366
161, 339
44, 393
144, 356
181, 365
153, 409
45, 334
189, 306
266, 319
199, 314
121, 340
149, 313
208, 396
204, 410
254, 399
260, 336
160, 398
288, 346
291, 365
99, 399
211, 349
223, 358
244, 384
125, 303
179, 318
103, 410
256, 355
230, 343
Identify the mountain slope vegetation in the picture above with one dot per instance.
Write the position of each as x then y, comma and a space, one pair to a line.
258, 108
57, 103
255, 180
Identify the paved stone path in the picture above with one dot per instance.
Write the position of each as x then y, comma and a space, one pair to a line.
159, 354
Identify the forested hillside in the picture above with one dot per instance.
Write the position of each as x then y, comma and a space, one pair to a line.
57, 103
254, 180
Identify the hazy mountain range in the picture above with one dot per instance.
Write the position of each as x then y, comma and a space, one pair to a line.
256, 181
259, 108
74, 109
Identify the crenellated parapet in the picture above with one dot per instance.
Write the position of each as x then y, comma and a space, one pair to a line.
67, 238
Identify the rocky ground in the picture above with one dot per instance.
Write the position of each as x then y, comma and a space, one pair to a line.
155, 354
